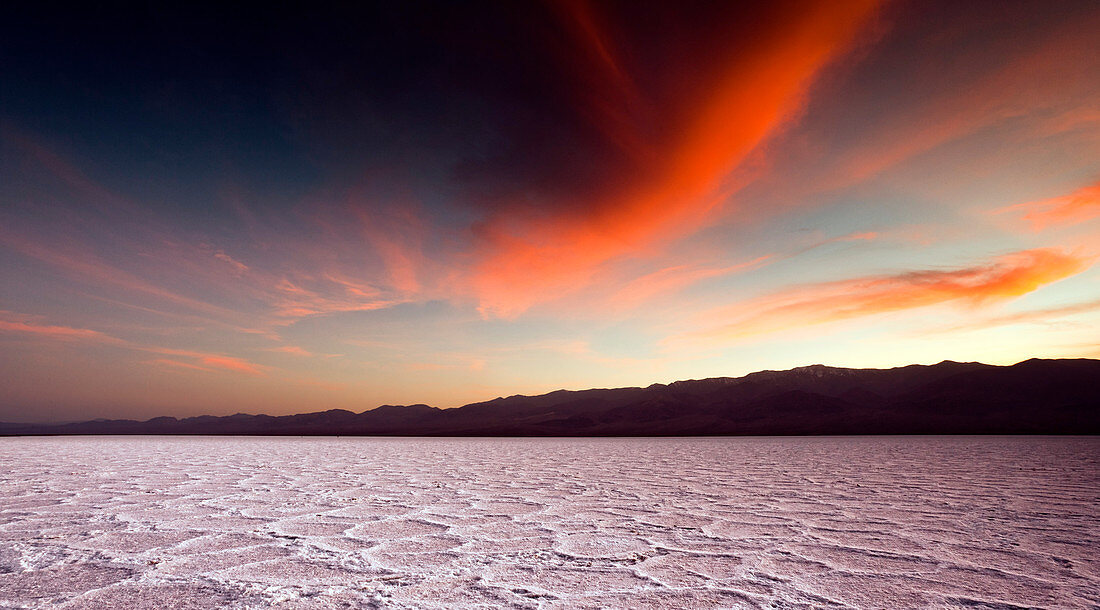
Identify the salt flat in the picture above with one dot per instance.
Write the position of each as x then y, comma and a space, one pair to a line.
893, 522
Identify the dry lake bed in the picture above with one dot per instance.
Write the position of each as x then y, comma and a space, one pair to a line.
230, 522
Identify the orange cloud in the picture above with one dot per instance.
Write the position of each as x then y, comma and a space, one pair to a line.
22, 324
527, 256
205, 361
232, 364
865, 236
1006, 277
12, 322
210, 363
1077, 207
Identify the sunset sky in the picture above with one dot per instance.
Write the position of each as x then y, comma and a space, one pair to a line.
210, 210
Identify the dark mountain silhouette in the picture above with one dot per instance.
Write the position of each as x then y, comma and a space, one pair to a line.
1032, 397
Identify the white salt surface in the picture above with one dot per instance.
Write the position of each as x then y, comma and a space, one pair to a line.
178, 522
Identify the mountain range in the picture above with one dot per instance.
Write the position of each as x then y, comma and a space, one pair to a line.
1031, 397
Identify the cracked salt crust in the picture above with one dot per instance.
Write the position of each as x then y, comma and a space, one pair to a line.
193, 522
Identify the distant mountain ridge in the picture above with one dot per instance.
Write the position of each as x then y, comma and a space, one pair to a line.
1031, 397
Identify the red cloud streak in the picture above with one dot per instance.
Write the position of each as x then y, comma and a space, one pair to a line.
526, 257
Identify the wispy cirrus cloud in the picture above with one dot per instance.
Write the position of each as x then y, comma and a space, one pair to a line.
150, 267
293, 350
34, 327
1046, 315
211, 364
670, 280
177, 364
327, 295
229, 363
237, 265
1077, 207
83, 265
25, 324
1028, 89
1003, 278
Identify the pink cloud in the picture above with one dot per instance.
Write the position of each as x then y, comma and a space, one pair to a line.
237, 265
